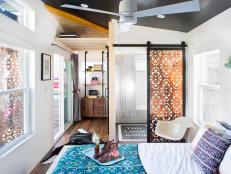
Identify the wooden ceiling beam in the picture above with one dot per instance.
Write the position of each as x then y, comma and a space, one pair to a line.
76, 19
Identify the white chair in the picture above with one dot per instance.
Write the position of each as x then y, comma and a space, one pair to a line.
173, 130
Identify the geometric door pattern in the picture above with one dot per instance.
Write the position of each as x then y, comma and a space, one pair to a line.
166, 79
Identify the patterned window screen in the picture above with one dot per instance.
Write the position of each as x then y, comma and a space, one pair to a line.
166, 87
11, 95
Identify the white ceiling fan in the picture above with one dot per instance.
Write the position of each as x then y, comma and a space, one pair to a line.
128, 10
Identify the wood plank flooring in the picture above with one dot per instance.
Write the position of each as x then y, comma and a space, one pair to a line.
98, 125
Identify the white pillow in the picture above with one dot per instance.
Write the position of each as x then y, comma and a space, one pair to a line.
225, 167
202, 130
220, 127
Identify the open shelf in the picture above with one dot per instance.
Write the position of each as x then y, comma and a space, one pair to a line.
94, 71
93, 84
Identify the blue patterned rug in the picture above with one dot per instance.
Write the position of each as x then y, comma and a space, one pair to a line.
74, 162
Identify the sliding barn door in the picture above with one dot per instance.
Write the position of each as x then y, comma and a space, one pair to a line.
165, 87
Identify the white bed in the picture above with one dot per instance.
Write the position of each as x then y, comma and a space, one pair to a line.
167, 158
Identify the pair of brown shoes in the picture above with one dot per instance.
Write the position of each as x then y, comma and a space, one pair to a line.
108, 153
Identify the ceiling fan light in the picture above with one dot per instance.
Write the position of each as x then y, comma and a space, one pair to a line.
130, 20
84, 5
161, 16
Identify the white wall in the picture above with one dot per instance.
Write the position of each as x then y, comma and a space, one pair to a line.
212, 35
24, 158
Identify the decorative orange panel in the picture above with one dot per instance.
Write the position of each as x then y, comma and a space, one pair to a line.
166, 68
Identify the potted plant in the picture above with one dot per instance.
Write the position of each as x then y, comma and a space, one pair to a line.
96, 140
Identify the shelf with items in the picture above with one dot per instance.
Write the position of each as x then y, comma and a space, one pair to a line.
95, 70
95, 101
94, 84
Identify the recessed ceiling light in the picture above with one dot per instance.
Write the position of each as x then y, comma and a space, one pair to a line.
84, 5
161, 16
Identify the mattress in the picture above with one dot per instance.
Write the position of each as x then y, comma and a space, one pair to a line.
167, 158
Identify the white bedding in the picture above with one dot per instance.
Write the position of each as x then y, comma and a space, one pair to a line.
167, 158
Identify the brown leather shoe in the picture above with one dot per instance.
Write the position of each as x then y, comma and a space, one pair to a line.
104, 150
112, 154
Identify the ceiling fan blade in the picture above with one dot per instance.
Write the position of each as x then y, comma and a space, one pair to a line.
89, 9
184, 7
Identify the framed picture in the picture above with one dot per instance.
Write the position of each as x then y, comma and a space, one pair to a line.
46, 67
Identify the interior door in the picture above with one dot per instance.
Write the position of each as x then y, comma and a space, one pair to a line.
166, 87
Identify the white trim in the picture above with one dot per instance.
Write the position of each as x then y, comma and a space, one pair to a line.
15, 145
208, 86
10, 91
25, 90
199, 84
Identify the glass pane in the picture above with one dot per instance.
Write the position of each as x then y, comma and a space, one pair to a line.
209, 65
11, 117
17, 11
210, 104
11, 68
131, 85
68, 84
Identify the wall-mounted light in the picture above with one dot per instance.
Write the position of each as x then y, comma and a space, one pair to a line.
228, 65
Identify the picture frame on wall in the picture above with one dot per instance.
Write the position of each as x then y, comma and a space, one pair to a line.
45, 67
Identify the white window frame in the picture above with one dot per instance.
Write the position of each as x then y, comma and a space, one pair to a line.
199, 86
25, 89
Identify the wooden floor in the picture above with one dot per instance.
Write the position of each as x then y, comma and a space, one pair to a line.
100, 126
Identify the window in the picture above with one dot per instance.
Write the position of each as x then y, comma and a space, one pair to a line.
207, 87
18, 12
14, 96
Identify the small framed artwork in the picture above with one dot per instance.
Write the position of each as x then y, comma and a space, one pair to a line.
46, 67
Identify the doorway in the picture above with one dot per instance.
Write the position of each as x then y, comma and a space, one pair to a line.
62, 96
160, 87
58, 96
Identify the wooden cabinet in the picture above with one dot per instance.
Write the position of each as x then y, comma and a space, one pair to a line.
93, 107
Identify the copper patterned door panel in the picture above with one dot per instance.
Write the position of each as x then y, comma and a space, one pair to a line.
165, 86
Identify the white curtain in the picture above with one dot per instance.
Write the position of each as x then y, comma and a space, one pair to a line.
125, 86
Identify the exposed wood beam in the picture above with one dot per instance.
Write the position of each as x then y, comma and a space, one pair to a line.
76, 19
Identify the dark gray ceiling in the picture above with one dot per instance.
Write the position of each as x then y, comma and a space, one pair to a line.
180, 22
